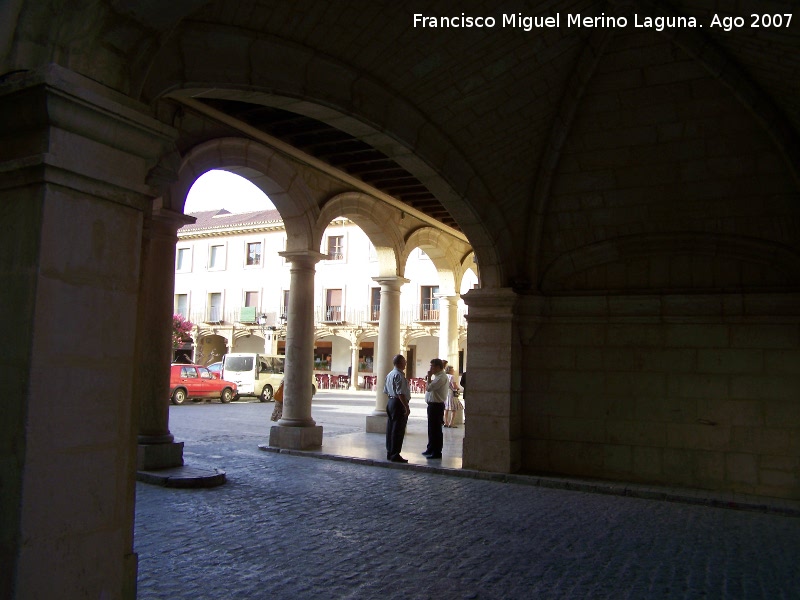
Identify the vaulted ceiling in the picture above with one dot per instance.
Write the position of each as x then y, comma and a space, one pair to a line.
490, 99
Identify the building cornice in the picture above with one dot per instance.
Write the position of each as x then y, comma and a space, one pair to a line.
243, 228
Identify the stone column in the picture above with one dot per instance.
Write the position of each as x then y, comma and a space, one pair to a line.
493, 432
157, 447
297, 430
354, 366
388, 346
74, 168
448, 328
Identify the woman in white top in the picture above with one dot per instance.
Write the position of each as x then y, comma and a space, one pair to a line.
452, 404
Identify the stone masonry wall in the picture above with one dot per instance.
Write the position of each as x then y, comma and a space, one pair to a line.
695, 391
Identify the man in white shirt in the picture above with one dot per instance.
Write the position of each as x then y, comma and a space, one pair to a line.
435, 395
397, 409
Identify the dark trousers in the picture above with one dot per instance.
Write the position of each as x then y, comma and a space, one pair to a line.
435, 422
395, 427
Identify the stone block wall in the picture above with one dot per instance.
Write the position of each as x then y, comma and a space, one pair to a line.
654, 389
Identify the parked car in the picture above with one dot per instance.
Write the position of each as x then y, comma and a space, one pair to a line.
216, 369
194, 381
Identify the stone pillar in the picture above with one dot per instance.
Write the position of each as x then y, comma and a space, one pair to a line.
493, 432
297, 430
75, 161
448, 328
157, 447
354, 366
388, 346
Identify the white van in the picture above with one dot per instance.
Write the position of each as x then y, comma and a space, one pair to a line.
256, 374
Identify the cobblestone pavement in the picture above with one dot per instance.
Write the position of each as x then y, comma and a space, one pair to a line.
291, 527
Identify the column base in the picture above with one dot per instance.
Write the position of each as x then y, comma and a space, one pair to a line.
295, 438
130, 566
497, 456
376, 423
151, 457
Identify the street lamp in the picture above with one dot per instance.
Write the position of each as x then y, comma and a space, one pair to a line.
262, 325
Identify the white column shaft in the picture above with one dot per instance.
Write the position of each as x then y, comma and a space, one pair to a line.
354, 366
448, 329
388, 335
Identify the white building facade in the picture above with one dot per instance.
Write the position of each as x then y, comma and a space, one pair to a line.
233, 284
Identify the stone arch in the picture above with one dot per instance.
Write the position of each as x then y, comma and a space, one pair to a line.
322, 332
275, 72
468, 263
375, 219
676, 261
263, 167
416, 334
442, 252
210, 346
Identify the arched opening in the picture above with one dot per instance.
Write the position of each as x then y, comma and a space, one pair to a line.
209, 349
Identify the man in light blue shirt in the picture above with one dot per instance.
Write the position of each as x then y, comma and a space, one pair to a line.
397, 409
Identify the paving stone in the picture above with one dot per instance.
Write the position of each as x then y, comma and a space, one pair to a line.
285, 526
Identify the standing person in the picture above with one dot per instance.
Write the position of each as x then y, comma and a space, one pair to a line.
277, 412
397, 409
435, 397
452, 404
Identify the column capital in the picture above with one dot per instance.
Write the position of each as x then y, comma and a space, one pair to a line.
491, 304
393, 282
166, 222
449, 298
504, 299
303, 258
116, 138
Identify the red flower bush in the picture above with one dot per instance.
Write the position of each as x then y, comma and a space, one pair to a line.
181, 330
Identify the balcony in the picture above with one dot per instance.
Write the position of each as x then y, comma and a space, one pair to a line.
428, 312
333, 314
375, 313
214, 315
